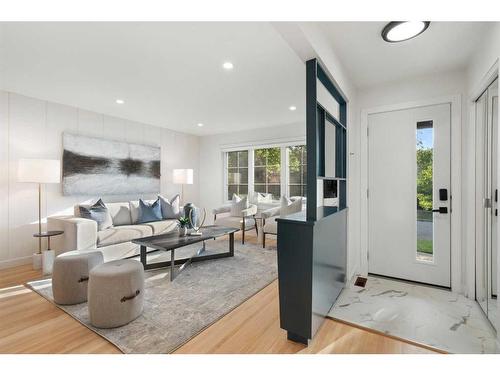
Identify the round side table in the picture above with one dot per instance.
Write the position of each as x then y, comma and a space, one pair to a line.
48, 255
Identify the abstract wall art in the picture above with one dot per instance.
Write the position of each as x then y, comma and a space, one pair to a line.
94, 166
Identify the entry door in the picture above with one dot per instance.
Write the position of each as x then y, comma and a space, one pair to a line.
409, 194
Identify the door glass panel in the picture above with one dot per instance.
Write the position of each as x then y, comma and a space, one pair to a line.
425, 150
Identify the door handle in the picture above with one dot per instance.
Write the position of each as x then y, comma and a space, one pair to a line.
441, 210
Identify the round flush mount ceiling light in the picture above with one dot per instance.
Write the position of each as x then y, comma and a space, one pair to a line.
228, 65
292, 108
120, 101
200, 125
399, 31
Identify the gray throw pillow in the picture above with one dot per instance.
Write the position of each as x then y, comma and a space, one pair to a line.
170, 209
99, 213
149, 212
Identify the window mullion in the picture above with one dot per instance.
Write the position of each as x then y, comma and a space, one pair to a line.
284, 171
250, 173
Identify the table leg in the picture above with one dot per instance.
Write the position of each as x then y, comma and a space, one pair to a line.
48, 243
143, 256
172, 265
231, 244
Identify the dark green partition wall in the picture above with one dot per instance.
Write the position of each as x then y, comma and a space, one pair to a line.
312, 245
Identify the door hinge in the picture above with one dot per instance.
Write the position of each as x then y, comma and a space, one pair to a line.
367, 131
367, 194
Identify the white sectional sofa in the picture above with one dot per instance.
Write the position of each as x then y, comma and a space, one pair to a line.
114, 242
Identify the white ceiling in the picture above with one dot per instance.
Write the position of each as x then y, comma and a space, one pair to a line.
370, 61
171, 75
168, 74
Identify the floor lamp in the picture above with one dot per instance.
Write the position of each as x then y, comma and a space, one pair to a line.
39, 171
183, 177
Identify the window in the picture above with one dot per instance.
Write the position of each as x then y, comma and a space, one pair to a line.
237, 173
297, 170
279, 170
425, 150
267, 171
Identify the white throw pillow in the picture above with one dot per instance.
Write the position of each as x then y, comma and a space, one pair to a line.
289, 207
170, 209
261, 198
238, 205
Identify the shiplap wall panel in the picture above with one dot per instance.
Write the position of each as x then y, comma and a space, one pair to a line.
33, 128
27, 118
90, 124
113, 128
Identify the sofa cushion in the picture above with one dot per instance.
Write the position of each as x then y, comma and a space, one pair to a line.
170, 209
149, 211
162, 226
135, 210
122, 233
120, 213
97, 212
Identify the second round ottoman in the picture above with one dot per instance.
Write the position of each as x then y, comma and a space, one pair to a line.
115, 293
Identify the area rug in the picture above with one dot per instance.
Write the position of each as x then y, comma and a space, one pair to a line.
201, 294
430, 316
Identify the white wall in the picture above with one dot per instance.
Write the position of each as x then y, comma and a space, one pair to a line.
32, 128
212, 162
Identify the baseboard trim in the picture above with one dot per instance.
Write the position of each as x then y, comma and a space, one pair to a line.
15, 262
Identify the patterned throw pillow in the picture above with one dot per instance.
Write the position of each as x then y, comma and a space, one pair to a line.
149, 211
170, 209
99, 213
289, 207
238, 204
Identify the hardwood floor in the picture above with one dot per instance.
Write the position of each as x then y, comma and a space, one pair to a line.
30, 324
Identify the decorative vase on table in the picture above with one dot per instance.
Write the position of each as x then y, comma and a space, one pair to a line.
182, 231
187, 213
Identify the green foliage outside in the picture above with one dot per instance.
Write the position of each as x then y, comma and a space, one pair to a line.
424, 246
424, 177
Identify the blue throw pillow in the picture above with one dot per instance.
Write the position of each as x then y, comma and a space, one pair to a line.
99, 213
149, 212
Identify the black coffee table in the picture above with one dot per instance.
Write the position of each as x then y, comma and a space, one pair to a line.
172, 241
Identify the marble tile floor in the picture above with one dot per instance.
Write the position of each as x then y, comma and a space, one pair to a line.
426, 315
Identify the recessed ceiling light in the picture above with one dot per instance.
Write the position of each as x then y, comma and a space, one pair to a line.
398, 31
120, 101
200, 124
292, 108
228, 65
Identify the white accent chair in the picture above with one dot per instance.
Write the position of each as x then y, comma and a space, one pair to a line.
269, 223
245, 221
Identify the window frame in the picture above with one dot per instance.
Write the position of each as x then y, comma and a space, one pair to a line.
284, 176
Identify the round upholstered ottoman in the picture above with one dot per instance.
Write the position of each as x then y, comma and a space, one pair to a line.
115, 293
70, 275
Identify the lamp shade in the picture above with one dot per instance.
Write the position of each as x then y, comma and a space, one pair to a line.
42, 171
183, 176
